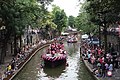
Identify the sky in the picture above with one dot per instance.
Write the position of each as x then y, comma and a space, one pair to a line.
70, 6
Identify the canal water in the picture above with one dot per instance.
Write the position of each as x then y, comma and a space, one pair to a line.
75, 70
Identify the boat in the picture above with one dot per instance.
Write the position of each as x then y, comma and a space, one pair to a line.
55, 55
72, 39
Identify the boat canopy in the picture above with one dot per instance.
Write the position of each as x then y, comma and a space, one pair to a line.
85, 36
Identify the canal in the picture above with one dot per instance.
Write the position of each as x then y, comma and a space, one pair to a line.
75, 70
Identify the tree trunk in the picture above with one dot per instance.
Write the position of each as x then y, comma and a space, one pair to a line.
3, 51
5, 37
105, 38
11, 48
20, 41
15, 47
99, 37
2, 55
59, 33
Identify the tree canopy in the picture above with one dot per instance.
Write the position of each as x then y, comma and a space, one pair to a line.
82, 21
108, 9
16, 15
59, 18
71, 21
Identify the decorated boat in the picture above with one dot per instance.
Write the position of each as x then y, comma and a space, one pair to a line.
55, 55
72, 39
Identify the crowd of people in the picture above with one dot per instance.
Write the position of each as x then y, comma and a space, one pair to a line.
54, 51
56, 48
21, 57
103, 64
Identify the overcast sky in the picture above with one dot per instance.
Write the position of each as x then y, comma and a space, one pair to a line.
70, 6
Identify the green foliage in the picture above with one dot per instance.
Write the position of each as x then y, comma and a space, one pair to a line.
82, 22
59, 18
97, 12
71, 21
18, 14
45, 2
108, 9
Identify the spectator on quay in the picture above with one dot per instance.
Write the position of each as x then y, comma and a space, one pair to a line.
106, 68
103, 67
93, 60
9, 67
33, 45
101, 59
43, 41
8, 72
89, 57
116, 62
110, 68
13, 64
99, 51
98, 66
3, 76
97, 72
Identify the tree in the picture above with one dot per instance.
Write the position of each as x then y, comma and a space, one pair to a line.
82, 23
108, 9
71, 21
49, 26
59, 18
16, 15
45, 2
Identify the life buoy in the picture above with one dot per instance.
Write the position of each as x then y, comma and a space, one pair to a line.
109, 73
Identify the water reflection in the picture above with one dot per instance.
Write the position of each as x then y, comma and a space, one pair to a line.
54, 72
72, 48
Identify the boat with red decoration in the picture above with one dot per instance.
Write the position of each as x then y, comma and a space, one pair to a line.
55, 55
72, 39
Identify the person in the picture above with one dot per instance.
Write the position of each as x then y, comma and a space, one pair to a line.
13, 65
110, 67
99, 51
103, 69
48, 51
89, 57
116, 62
9, 67
106, 68
3, 76
8, 72
93, 60
53, 53
99, 66
61, 45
